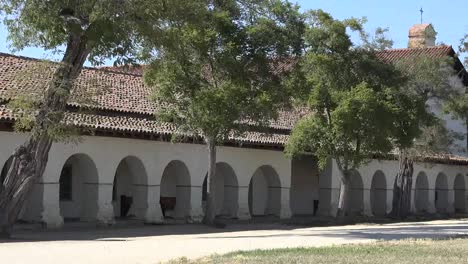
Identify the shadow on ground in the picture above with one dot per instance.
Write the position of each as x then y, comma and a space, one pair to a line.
129, 233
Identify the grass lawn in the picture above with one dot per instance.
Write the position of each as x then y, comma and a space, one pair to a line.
406, 251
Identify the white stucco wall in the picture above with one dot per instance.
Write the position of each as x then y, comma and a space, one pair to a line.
293, 189
107, 153
330, 185
454, 125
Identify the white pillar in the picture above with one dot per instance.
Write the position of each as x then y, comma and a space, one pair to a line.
328, 201
51, 205
105, 209
431, 197
153, 212
243, 212
329, 192
413, 201
390, 201
451, 201
367, 202
196, 210
285, 212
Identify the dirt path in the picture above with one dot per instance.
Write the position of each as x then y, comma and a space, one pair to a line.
152, 244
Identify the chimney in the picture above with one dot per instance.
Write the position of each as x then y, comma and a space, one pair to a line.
421, 36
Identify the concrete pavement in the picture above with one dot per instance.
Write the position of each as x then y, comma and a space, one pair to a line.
151, 244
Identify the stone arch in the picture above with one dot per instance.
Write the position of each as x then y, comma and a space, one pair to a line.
227, 191
459, 188
175, 190
265, 192
356, 194
421, 193
78, 190
441, 194
378, 194
130, 189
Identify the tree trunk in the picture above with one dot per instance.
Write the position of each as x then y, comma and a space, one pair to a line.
343, 201
210, 211
30, 159
401, 203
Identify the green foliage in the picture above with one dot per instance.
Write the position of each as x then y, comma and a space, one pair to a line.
378, 41
110, 26
363, 106
349, 91
98, 29
463, 47
460, 107
432, 86
24, 109
429, 77
213, 68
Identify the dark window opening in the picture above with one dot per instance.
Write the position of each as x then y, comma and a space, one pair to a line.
5, 169
66, 183
205, 189
114, 190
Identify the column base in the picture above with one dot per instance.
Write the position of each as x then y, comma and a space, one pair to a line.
105, 215
195, 216
154, 215
285, 212
243, 214
52, 220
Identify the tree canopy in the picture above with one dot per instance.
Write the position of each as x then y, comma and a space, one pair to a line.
218, 67
109, 26
86, 30
348, 90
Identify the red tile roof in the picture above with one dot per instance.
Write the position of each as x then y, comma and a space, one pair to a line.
121, 100
395, 55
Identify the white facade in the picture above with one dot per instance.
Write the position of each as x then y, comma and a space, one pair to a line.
251, 183
437, 188
137, 167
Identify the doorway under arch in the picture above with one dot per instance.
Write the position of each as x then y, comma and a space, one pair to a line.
175, 190
227, 191
378, 194
130, 189
265, 192
356, 194
441, 194
78, 192
421, 193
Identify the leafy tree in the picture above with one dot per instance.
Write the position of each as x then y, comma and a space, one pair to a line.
463, 47
460, 106
86, 30
420, 129
350, 93
216, 69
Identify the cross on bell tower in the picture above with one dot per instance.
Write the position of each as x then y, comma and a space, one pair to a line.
422, 12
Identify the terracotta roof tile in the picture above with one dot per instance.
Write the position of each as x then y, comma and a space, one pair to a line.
100, 89
126, 124
112, 90
394, 55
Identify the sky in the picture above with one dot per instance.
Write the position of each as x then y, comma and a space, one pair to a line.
448, 17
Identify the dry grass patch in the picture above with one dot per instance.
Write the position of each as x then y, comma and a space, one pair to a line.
446, 251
